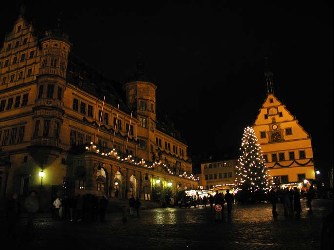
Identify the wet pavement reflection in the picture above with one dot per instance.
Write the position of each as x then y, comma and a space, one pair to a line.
248, 227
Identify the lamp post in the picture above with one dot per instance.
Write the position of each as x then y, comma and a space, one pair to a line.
41, 175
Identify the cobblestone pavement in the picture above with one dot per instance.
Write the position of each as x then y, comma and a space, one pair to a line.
249, 227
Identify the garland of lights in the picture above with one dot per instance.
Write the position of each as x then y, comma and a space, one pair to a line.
294, 161
131, 160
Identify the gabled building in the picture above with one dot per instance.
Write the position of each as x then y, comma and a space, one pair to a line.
64, 127
286, 146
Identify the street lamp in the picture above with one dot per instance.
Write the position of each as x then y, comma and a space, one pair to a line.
41, 175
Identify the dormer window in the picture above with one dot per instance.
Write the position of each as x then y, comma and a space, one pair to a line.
271, 100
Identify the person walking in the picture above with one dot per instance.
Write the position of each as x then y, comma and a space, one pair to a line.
229, 201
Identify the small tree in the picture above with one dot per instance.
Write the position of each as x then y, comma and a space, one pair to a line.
252, 174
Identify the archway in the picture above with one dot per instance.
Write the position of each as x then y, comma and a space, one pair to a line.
117, 185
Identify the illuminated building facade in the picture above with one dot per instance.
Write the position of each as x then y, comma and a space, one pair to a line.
66, 128
286, 146
218, 175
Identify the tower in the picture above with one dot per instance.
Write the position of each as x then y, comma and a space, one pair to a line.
51, 83
141, 98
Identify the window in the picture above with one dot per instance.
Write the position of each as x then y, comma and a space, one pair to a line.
4, 80
43, 63
36, 131
15, 60
60, 93
2, 105
31, 54
53, 62
302, 154
266, 116
73, 137
280, 114
301, 177
12, 138
271, 100
75, 104
9, 46
288, 131
263, 134
274, 157
142, 144
83, 108
23, 57
90, 110
40, 91
50, 91
10, 103
20, 75
17, 101
265, 157
29, 72
25, 40
292, 155
6, 63
17, 44
281, 156
24, 100
80, 139
46, 129
284, 179
12, 77
19, 28
106, 118
5, 137
143, 122
142, 105
21, 135
57, 130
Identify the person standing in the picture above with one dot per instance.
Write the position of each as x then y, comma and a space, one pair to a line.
309, 198
137, 205
297, 207
132, 201
103, 205
273, 198
13, 211
56, 208
31, 205
229, 201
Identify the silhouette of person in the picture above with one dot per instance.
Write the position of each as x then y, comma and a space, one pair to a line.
229, 201
273, 198
13, 211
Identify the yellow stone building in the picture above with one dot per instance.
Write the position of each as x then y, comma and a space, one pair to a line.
218, 175
64, 127
286, 146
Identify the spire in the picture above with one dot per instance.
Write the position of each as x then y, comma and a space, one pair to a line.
268, 77
22, 9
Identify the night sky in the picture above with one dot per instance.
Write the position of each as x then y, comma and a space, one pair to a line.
207, 60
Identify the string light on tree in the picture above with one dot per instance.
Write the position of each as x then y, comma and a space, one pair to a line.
252, 173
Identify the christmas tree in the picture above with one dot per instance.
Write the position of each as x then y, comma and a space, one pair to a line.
252, 174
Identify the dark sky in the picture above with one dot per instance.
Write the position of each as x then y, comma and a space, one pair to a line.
207, 60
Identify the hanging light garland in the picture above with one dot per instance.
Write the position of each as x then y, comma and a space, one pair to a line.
130, 159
